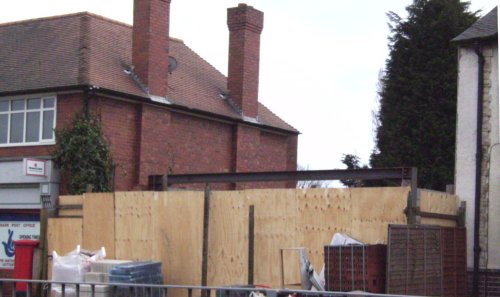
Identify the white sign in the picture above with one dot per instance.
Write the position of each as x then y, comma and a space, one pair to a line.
35, 167
13, 230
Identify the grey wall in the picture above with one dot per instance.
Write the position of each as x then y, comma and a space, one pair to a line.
21, 191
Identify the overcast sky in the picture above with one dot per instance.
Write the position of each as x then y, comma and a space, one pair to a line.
320, 59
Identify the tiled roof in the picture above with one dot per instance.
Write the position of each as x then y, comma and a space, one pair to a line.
86, 49
485, 28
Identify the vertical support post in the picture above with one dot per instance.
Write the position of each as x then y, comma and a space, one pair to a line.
41, 255
164, 182
282, 266
425, 260
387, 268
407, 266
461, 214
206, 217
413, 204
251, 233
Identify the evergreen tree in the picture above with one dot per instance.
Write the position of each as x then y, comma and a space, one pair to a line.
351, 162
83, 155
418, 98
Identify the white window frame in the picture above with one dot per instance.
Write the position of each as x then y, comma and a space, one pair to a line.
9, 112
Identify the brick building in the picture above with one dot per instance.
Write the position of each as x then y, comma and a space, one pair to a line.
163, 108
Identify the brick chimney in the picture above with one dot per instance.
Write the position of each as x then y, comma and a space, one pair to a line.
150, 44
245, 25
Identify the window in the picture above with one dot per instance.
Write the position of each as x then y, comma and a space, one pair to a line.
27, 121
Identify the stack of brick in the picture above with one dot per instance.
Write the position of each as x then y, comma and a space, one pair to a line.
99, 273
355, 267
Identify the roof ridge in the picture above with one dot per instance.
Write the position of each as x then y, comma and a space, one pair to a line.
84, 50
77, 14
41, 19
174, 39
62, 16
98, 16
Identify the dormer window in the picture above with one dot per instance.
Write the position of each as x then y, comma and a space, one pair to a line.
27, 121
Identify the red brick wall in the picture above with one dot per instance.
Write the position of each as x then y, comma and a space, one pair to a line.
272, 156
247, 143
120, 123
200, 145
257, 150
150, 140
177, 143
153, 147
292, 145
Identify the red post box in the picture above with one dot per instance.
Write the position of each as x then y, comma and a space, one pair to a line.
23, 261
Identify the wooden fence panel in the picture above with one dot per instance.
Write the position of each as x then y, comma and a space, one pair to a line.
322, 213
73, 200
228, 239
441, 203
63, 235
134, 238
99, 222
178, 234
373, 209
168, 226
275, 220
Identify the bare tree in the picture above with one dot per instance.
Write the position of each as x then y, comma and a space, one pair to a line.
310, 184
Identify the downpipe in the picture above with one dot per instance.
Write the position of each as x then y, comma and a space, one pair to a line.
479, 156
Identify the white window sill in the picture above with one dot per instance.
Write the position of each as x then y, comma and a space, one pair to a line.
27, 144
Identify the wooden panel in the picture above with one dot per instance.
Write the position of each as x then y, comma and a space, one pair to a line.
178, 220
70, 200
63, 235
438, 222
134, 238
373, 209
322, 213
99, 222
438, 202
228, 233
169, 227
275, 228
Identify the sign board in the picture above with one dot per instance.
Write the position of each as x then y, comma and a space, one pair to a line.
35, 167
15, 230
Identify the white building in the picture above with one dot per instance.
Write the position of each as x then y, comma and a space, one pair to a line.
477, 165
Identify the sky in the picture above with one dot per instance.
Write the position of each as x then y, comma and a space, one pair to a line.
319, 59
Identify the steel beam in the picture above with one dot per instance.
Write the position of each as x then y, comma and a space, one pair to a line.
441, 216
399, 173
